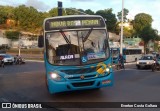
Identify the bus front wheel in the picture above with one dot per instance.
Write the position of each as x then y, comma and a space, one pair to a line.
46, 83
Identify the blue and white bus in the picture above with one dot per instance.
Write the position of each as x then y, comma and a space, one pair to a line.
77, 53
132, 54
115, 55
129, 54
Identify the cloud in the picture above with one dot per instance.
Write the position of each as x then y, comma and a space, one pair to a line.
10, 2
39, 5
116, 2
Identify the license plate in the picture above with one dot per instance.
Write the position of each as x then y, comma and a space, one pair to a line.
142, 65
106, 81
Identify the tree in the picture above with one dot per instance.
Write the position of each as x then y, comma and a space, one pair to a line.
13, 35
119, 15
141, 21
147, 34
5, 13
3, 17
81, 10
27, 18
127, 29
90, 12
74, 11
110, 18
54, 12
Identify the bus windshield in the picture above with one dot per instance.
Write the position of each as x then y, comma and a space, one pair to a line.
77, 47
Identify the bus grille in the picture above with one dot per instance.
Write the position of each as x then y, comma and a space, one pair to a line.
81, 71
82, 84
86, 77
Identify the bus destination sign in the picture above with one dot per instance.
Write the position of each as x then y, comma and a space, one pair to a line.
56, 24
74, 23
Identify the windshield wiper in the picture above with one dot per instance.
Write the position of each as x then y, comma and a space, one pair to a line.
86, 37
65, 37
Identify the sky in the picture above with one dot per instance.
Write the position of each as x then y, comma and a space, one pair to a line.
150, 7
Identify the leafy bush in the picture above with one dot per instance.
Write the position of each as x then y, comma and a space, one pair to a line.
13, 35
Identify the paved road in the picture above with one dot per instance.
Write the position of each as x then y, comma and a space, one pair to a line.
25, 83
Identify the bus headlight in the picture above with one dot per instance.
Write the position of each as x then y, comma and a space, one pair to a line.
55, 76
107, 70
137, 62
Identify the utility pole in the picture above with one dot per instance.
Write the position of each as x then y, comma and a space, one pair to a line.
121, 40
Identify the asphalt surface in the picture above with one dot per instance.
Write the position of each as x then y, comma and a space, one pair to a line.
26, 83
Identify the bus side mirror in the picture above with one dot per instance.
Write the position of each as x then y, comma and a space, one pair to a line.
40, 41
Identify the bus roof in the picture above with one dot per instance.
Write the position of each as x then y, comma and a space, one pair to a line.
73, 22
72, 16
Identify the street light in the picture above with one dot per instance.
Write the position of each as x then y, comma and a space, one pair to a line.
121, 40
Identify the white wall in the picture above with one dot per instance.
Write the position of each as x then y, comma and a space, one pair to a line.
23, 43
5, 41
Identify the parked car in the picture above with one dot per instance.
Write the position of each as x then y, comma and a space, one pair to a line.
145, 62
8, 59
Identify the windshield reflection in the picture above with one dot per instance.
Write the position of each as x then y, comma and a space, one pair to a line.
77, 47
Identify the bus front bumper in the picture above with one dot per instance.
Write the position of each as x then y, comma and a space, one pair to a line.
56, 87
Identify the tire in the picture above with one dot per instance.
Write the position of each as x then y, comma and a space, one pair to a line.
3, 65
138, 67
46, 83
153, 68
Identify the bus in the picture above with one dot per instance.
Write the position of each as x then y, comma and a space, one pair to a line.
132, 54
76, 53
114, 55
129, 54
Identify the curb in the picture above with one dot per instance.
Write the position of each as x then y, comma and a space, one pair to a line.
34, 61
